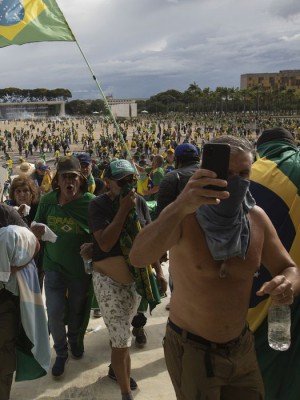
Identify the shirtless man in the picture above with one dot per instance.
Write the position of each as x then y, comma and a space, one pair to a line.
208, 347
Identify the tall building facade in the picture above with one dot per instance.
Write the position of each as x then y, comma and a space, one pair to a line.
287, 79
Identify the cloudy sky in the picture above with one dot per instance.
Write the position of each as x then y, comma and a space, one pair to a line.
138, 48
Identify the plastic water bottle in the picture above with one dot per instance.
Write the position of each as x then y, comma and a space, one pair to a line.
279, 327
88, 266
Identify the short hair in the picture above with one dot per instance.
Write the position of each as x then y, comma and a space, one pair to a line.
20, 181
237, 144
159, 160
40, 162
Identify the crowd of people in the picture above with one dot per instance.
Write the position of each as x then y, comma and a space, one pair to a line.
125, 215
145, 136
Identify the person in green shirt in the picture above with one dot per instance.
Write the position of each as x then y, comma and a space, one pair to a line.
64, 211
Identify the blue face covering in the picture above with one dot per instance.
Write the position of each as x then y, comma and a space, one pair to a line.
226, 225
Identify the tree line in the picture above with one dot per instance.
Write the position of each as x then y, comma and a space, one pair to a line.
193, 100
222, 100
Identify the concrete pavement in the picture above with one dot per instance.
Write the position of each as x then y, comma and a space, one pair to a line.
87, 379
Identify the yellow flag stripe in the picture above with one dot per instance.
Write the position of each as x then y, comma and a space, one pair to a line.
257, 314
32, 8
280, 184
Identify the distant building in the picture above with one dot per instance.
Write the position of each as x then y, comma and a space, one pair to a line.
126, 108
287, 79
32, 110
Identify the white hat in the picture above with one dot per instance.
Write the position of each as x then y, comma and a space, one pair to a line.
24, 168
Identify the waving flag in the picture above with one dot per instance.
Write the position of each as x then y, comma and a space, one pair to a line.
275, 185
26, 21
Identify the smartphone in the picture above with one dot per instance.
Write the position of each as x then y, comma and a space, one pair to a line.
215, 157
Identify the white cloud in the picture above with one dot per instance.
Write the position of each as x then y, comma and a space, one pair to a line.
291, 38
157, 46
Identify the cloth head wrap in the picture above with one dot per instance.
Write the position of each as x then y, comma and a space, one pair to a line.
275, 134
226, 225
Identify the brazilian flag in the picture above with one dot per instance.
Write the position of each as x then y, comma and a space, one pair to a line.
275, 185
26, 21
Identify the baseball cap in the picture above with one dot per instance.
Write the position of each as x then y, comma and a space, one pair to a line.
68, 165
186, 149
118, 169
170, 150
84, 158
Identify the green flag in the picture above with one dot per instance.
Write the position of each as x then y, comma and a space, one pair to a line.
275, 185
27, 21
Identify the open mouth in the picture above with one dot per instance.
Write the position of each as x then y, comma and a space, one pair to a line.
70, 187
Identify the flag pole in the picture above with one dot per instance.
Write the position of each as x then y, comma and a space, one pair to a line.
108, 108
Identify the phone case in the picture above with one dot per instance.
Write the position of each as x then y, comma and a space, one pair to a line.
215, 157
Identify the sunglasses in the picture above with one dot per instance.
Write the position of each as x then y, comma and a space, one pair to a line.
125, 181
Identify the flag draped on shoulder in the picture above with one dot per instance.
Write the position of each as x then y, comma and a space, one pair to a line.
27, 21
275, 185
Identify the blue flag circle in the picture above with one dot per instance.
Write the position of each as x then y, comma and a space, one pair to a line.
11, 12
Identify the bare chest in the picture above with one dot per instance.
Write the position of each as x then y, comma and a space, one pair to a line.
200, 261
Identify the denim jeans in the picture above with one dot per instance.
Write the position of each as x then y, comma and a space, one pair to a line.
65, 302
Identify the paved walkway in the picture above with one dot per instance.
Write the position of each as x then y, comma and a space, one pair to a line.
87, 379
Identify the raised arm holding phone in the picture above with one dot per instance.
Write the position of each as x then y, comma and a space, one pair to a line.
217, 241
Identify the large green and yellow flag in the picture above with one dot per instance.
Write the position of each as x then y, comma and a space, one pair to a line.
26, 21
275, 185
